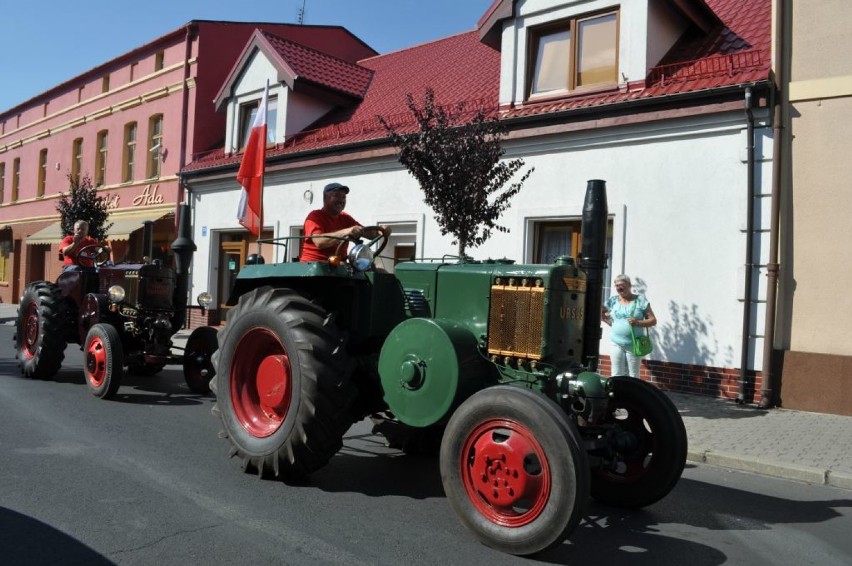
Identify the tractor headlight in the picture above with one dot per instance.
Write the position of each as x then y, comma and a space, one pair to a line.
116, 293
204, 299
361, 257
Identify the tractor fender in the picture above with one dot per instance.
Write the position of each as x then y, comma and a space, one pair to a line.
428, 367
93, 310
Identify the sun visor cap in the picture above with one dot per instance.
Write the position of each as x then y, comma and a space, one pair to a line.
336, 187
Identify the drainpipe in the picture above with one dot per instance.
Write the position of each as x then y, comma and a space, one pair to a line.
749, 105
769, 397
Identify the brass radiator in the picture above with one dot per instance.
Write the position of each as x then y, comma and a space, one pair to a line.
516, 320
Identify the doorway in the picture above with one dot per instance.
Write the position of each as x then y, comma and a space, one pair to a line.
232, 257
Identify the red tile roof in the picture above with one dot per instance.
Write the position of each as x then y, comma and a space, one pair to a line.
461, 68
322, 69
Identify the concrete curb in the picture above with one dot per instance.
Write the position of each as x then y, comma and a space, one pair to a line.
784, 470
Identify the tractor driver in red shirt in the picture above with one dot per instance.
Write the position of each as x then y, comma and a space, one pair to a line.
326, 226
73, 244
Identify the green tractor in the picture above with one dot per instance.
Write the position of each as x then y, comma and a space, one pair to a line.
492, 360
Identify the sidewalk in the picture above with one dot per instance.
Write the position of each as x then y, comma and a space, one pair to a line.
810, 447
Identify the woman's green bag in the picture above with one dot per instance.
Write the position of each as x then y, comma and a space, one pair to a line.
642, 345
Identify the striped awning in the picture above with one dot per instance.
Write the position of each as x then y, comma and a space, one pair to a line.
123, 225
50, 234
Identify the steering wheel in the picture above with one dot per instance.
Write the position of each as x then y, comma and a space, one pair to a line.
380, 241
99, 254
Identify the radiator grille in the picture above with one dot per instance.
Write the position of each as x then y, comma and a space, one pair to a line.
516, 320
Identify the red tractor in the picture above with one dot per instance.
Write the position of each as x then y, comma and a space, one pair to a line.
123, 316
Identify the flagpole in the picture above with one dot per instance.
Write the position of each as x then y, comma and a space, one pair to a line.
263, 171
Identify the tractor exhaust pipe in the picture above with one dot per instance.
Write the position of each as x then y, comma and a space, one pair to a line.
593, 262
183, 248
148, 241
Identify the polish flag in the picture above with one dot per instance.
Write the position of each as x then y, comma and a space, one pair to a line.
250, 175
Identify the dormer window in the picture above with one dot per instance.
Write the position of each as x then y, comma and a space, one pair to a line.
572, 54
249, 111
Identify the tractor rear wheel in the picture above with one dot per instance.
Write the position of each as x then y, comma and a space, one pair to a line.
651, 446
197, 364
514, 470
282, 384
103, 363
40, 334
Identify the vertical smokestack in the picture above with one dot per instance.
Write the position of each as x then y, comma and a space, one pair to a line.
183, 248
148, 239
593, 262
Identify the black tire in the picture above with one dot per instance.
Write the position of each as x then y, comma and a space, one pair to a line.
103, 363
198, 368
503, 439
40, 333
280, 348
653, 446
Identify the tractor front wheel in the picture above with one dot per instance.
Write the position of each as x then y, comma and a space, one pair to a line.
649, 445
282, 384
103, 363
197, 359
514, 470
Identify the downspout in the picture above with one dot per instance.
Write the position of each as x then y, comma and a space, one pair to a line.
767, 392
749, 105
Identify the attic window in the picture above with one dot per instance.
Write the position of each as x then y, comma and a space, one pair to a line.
574, 53
247, 114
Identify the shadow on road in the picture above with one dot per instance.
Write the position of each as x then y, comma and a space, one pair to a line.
28, 541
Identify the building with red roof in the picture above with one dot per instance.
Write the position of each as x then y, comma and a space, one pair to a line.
660, 98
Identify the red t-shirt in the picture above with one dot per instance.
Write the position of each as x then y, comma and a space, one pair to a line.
321, 222
86, 260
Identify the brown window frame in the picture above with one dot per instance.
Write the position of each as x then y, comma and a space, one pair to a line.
42, 172
128, 163
16, 178
154, 164
572, 26
101, 158
76, 157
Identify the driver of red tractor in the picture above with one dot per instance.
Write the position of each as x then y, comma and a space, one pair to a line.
72, 245
326, 227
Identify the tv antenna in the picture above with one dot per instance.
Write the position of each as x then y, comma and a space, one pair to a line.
301, 16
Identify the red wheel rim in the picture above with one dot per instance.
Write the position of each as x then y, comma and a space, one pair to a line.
96, 362
30, 331
505, 473
261, 382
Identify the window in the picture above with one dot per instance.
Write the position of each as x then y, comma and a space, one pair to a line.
77, 157
105, 84
16, 178
134, 70
129, 159
247, 115
159, 60
554, 238
575, 53
80, 94
101, 158
155, 145
42, 172
2, 182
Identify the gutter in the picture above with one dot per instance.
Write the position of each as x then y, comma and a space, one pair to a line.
769, 397
749, 266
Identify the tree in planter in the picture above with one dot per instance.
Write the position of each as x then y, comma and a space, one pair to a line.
457, 164
82, 202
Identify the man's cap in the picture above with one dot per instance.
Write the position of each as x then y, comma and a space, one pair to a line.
336, 187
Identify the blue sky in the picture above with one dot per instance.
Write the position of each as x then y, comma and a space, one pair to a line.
45, 43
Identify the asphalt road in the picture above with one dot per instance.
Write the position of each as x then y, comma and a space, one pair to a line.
144, 479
